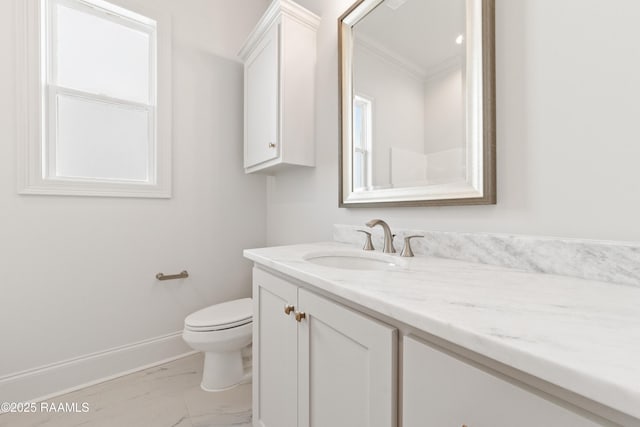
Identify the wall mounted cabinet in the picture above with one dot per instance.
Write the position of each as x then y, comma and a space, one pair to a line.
317, 362
279, 97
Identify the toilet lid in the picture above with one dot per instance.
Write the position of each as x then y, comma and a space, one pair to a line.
225, 315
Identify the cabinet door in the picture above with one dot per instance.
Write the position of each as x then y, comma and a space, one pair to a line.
347, 367
261, 101
275, 349
442, 390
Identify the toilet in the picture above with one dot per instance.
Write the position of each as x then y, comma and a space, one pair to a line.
221, 331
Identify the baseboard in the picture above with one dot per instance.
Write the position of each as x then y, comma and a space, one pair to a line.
63, 377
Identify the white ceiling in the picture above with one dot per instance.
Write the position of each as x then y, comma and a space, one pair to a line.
420, 31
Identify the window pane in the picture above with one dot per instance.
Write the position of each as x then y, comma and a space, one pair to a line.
358, 125
358, 170
100, 56
100, 140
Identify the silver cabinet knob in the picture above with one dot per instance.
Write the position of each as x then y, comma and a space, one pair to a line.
272, 145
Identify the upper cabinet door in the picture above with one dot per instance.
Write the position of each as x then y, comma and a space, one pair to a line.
261, 97
279, 83
347, 367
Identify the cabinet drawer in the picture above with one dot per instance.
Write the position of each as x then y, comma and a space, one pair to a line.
440, 390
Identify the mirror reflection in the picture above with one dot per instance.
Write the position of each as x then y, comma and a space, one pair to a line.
408, 119
417, 103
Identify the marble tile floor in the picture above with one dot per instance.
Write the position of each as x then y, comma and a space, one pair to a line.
168, 395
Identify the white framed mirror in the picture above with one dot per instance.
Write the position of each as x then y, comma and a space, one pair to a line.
417, 103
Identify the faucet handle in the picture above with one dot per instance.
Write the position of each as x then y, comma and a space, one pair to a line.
406, 251
368, 245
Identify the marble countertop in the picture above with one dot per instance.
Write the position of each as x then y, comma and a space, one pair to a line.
581, 335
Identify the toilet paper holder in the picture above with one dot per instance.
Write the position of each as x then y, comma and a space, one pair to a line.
182, 275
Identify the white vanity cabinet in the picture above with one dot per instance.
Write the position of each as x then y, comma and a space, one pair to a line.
337, 366
322, 364
440, 389
279, 78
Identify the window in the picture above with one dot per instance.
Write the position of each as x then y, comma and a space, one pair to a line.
362, 142
101, 100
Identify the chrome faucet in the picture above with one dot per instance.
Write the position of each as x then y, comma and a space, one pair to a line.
388, 237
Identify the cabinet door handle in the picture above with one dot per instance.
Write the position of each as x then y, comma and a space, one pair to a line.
288, 309
300, 315
272, 145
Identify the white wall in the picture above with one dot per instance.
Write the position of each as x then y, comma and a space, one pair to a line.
77, 273
568, 81
444, 121
444, 115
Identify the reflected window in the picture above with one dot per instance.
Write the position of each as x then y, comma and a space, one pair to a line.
362, 142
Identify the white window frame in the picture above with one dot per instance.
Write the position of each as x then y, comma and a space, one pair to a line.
367, 136
36, 136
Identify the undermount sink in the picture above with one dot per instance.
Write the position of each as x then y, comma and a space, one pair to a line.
353, 261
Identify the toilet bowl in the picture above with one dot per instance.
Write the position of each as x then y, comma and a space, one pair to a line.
221, 331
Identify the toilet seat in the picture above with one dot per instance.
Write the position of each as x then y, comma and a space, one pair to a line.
216, 327
222, 316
